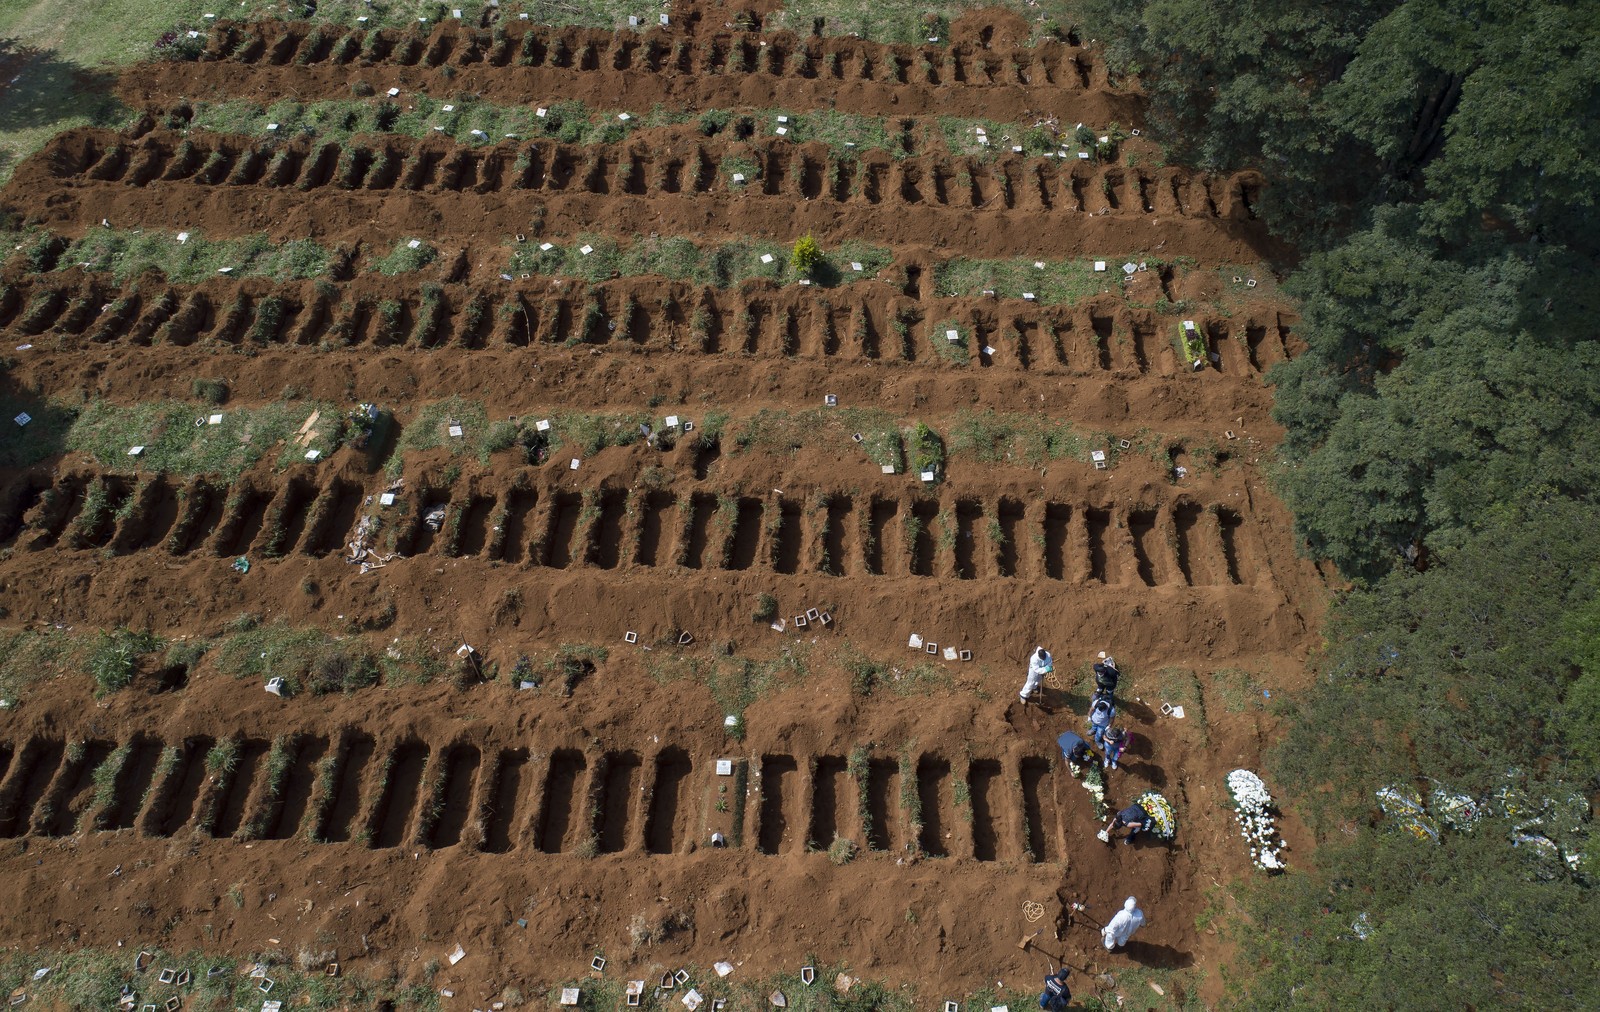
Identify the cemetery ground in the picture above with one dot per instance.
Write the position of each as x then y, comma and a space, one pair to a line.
460, 374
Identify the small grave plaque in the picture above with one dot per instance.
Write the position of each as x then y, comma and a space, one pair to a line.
724, 767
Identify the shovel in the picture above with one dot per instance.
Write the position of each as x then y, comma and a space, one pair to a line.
1026, 942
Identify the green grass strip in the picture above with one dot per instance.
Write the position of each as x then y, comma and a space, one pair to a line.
175, 444
722, 266
1057, 282
129, 254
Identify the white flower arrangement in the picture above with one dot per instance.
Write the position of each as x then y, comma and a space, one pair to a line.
1252, 804
1164, 820
1094, 781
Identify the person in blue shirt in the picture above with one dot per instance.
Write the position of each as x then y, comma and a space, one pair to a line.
1055, 996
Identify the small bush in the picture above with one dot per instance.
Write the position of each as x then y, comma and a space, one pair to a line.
766, 608
212, 391
842, 851
116, 658
806, 255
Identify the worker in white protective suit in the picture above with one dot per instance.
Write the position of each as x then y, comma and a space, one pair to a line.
1121, 927
1039, 665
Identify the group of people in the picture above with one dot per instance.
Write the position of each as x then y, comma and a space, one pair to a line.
1112, 741
1114, 934
1110, 738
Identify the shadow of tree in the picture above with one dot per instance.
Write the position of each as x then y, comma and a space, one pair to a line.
42, 94
43, 437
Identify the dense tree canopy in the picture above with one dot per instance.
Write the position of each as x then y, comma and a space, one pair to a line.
1438, 165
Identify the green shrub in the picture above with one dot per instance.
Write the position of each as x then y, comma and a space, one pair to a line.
805, 255
116, 658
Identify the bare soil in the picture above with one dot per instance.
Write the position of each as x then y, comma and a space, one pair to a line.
415, 817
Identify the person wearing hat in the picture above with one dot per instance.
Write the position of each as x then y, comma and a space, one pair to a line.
1056, 996
1039, 665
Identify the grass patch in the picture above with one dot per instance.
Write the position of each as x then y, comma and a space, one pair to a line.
304, 657
911, 22
787, 431
407, 257
958, 350
94, 978
47, 94
174, 444
993, 437
1238, 690
1178, 687
430, 430
115, 658
1058, 282
926, 450
126, 255
726, 265
462, 119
